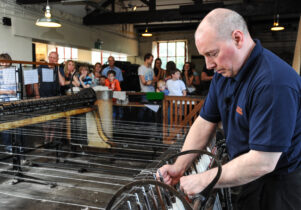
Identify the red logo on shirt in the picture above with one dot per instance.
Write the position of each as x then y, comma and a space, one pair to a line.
239, 110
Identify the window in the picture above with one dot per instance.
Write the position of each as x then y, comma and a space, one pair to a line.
102, 56
65, 53
175, 51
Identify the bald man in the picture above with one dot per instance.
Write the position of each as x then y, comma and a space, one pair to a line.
256, 95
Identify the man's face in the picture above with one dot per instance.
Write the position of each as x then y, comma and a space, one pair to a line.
111, 61
149, 61
53, 58
220, 55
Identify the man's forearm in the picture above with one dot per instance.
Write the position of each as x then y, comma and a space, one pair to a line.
245, 168
197, 139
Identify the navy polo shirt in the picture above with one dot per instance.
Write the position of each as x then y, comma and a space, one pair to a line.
259, 108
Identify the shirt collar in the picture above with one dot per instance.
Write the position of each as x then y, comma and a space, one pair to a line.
249, 64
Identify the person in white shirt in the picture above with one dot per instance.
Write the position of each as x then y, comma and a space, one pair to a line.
175, 86
146, 74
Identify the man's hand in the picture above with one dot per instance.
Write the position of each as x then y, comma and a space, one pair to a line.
170, 174
193, 184
149, 82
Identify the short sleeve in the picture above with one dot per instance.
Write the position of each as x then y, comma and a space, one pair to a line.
210, 111
140, 71
183, 86
273, 118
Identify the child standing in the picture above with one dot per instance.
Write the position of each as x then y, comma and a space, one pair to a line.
175, 86
111, 82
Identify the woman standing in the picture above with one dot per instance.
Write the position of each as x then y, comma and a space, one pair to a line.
188, 78
159, 72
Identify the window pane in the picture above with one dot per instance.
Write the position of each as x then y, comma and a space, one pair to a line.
60, 51
162, 49
95, 57
74, 54
180, 62
171, 59
180, 48
116, 56
67, 53
164, 61
171, 49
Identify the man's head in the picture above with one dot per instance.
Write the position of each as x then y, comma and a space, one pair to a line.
111, 75
175, 74
111, 61
53, 57
148, 59
224, 40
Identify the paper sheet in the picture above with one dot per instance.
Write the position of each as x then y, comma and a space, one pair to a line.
30, 76
9, 76
47, 75
154, 108
121, 95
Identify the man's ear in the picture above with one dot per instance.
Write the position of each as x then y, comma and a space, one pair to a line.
238, 38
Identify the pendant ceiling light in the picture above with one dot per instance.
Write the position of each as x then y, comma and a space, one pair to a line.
276, 26
47, 21
146, 33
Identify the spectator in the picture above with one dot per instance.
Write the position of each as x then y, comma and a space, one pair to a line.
48, 87
95, 75
102, 81
159, 72
84, 79
187, 77
161, 87
68, 75
169, 66
146, 74
112, 66
175, 86
7, 91
206, 77
111, 82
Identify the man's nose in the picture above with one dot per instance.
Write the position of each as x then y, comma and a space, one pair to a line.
210, 64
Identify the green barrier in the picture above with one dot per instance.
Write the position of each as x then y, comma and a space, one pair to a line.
154, 96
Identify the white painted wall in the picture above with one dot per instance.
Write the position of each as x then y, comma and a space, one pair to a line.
17, 39
18, 47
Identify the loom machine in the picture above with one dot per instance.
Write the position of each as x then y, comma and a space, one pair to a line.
95, 108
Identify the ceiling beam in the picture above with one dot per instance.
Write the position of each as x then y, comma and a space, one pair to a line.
35, 1
189, 12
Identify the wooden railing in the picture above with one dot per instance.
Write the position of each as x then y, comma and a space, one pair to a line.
178, 115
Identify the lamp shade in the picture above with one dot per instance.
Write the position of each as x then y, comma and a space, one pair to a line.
48, 22
146, 33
